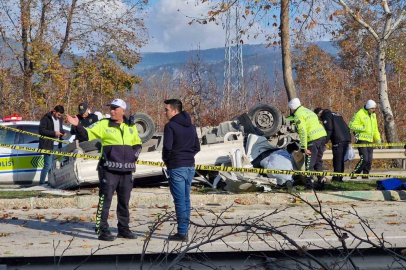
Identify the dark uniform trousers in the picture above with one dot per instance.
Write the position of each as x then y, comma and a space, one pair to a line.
314, 161
366, 155
111, 181
339, 151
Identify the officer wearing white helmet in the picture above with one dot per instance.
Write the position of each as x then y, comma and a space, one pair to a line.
365, 127
312, 139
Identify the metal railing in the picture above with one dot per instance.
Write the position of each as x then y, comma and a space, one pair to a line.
378, 154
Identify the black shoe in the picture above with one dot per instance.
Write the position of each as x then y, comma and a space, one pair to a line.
126, 234
309, 185
354, 177
320, 185
365, 177
105, 235
337, 179
178, 237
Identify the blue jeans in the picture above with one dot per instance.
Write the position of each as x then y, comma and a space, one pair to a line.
180, 182
48, 161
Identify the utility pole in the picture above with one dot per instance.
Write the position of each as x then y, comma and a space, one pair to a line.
233, 64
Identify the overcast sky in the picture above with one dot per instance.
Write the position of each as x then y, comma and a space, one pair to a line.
169, 30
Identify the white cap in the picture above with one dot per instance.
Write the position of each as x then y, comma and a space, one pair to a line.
370, 104
294, 104
118, 103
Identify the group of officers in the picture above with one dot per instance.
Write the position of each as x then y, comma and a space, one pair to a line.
121, 146
316, 128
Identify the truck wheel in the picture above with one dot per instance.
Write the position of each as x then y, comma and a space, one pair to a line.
145, 126
94, 145
267, 118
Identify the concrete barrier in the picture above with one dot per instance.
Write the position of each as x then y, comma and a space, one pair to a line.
161, 199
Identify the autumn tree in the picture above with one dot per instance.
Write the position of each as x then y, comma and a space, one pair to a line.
40, 34
380, 20
102, 78
322, 82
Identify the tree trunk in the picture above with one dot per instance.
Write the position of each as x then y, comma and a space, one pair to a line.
391, 132
29, 101
390, 127
286, 56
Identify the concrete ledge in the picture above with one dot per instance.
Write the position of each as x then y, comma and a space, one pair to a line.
151, 199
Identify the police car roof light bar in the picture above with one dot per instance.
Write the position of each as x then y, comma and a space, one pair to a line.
14, 117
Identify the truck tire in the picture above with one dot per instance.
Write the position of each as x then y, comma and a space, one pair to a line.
267, 118
145, 126
94, 145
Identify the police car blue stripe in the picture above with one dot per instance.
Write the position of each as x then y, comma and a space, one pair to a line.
20, 155
33, 170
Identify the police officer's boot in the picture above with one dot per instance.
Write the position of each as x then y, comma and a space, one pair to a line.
309, 183
126, 233
320, 184
105, 235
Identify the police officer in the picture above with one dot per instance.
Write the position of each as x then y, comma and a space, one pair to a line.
312, 139
339, 133
85, 118
365, 127
121, 147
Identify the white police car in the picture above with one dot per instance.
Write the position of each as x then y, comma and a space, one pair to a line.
17, 166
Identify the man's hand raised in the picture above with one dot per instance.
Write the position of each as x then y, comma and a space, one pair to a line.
73, 120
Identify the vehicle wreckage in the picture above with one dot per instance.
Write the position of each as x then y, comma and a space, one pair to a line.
257, 139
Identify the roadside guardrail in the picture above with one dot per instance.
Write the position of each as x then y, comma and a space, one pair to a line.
378, 154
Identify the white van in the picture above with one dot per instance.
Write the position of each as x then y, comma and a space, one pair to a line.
16, 166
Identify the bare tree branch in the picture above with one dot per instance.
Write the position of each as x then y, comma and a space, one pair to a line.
358, 19
396, 24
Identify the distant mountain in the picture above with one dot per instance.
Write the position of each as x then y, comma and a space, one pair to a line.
212, 55
267, 62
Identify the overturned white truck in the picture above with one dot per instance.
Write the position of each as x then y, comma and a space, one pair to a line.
242, 142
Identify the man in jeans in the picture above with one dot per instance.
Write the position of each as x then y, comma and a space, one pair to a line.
180, 147
50, 126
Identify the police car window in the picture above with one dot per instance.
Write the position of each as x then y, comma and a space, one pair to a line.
25, 138
7, 136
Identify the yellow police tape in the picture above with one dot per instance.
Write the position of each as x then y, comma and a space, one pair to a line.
207, 167
32, 134
64, 142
